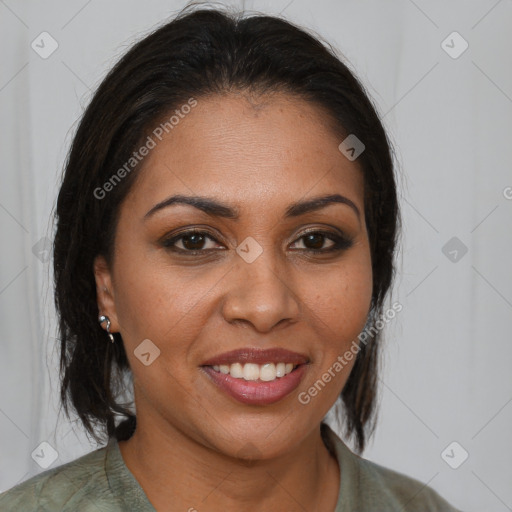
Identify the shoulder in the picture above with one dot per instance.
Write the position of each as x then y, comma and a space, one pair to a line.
78, 485
400, 489
368, 486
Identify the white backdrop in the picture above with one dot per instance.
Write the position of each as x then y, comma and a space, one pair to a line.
448, 110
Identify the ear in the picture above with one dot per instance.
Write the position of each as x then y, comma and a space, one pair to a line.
105, 292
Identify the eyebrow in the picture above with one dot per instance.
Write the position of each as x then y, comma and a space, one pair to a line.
215, 208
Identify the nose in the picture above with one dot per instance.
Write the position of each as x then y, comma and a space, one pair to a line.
260, 295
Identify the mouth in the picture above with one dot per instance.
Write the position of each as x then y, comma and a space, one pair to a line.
267, 372
255, 376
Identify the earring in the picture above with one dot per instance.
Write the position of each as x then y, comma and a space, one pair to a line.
103, 318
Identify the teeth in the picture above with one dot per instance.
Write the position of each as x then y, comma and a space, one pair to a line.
268, 372
236, 370
250, 371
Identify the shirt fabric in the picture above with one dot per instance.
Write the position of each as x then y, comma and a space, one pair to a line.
100, 481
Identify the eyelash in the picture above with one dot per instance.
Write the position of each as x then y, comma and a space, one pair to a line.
341, 243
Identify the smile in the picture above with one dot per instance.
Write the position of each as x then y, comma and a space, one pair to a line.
251, 371
256, 376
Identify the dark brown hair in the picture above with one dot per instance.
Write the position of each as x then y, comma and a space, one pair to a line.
200, 52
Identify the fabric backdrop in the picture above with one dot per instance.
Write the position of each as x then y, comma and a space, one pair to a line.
440, 75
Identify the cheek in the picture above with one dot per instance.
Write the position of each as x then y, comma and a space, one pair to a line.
343, 302
159, 301
167, 306
339, 313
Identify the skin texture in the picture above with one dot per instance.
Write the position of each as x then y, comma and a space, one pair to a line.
196, 447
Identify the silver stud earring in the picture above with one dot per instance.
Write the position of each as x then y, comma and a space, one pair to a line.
102, 319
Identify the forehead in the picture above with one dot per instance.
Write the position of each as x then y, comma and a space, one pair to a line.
253, 151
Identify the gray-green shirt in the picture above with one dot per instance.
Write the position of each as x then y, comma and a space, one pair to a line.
100, 481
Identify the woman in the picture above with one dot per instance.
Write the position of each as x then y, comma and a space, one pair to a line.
226, 227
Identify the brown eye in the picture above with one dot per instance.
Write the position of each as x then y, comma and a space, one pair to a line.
314, 242
190, 241
193, 242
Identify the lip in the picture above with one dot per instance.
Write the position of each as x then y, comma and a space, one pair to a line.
257, 392
257, 356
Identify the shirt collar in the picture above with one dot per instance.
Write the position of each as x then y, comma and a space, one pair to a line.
122, 482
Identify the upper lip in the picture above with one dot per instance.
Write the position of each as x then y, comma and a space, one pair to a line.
257, 356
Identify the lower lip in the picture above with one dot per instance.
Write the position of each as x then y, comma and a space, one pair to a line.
256, 392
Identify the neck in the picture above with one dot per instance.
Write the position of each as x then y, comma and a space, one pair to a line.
174, 468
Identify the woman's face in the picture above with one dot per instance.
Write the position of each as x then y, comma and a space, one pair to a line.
254, 282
